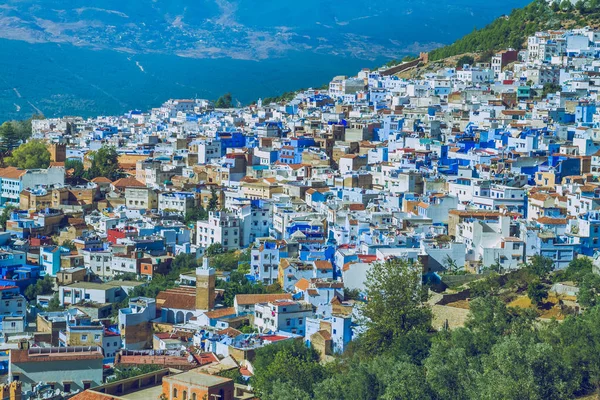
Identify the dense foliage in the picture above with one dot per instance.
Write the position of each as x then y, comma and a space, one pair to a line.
500, 353
239, 284
14, 132
225, 101
40, 287
76, 167
31, 155
105, 162
512, 30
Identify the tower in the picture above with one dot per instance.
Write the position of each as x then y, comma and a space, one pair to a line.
58, 152
205, 286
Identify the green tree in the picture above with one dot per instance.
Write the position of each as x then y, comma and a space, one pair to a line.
577, 270
5, 215
225, 101
518, 368
486, 287
213, 202
449, 366
464, 60
214, 249
31, 155
23, 128
550, 88
566, 5
194, 215
9, 137
105, 162
77, 167
540, 266
288, 363
239, 284
394, 306
42, 286
54, 304
589, 290
537, 292
451, 265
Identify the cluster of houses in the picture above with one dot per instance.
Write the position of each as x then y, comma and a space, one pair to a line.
459, 170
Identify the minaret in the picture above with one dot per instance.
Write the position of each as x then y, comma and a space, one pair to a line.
205, 286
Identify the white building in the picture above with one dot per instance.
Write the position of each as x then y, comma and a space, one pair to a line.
283, 315
221, 227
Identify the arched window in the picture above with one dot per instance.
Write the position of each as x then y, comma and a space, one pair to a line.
184, 395
193, 396
175, 393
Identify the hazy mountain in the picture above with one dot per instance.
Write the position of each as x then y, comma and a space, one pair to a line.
89, 57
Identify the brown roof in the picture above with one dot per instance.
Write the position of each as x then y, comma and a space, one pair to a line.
324, 334
101, 179
247, 299
181, 298
356, 207
221, 312
12, 172
127, 182
231, 332
90, 395
539, 196
24, 356
552, 221
302, 284
322, 265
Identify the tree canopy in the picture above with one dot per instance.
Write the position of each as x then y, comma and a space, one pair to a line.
31, 155
225, 101
105, 162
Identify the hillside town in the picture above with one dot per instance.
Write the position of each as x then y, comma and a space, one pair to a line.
178, 242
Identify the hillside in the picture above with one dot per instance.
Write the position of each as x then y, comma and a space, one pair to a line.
512, 30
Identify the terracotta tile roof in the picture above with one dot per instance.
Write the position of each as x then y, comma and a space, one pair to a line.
356, 207
552, 221
101, 179
23, 356
539, 196
221, 312
12, 173
323, 265
127, 182
90, 395
302, 284
179, 298
231, 332
248, 299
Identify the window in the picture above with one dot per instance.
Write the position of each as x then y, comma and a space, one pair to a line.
184, 395
193, 396
83, 337
96, 337
87, 385
67, 387
175, 393
288, 322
